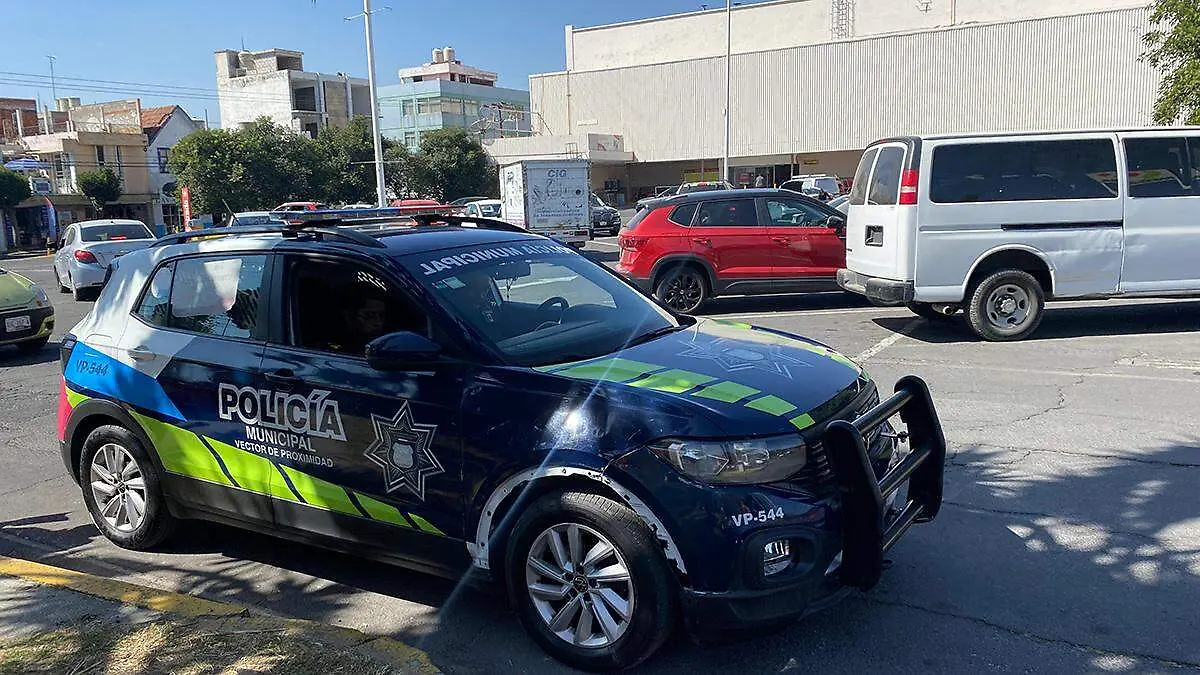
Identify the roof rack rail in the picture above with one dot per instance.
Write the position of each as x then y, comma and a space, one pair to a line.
284, 230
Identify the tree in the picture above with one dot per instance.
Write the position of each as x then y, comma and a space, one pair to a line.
14, 189
347, 174
100, 187
1173, 48
406, 174
456, 165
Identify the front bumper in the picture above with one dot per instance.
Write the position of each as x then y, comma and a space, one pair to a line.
838, 535
882, 291
41, 324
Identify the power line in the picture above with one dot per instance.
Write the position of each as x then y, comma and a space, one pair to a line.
213, 95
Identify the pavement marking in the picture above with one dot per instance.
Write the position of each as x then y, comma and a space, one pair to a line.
886, 342
113, 589
801, 312
1031, 371
604, 243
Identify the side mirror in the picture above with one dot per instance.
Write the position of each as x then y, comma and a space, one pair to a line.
837, 223
400, 350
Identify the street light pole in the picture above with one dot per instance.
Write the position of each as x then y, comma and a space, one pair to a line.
728, 68
53, 88
380, 186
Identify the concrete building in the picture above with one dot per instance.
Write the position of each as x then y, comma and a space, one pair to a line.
446, 93
164, 127
815, 81
273, 83
81, 138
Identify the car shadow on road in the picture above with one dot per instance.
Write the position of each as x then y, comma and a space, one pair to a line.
1064, 322
753, 304
11, 356
602, 256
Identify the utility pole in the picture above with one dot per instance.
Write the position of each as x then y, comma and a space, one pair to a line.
380, 186
728, 70
53, 88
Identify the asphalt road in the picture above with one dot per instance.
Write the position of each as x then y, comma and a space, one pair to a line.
1069, 540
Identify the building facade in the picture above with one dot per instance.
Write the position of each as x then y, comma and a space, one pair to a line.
164, 127
814, 81
446, 93
274, 84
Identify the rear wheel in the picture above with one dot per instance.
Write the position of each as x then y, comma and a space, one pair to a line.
683, 289
122, 489
589, 582
62, 288
1006, 305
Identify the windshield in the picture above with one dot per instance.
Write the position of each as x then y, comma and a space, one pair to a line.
115, 232
489, 210
538, 303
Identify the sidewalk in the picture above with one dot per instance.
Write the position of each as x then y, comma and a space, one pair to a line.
57, 620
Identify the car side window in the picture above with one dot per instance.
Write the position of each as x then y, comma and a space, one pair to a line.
1159, 167
794, 213
219, 296
340, 306
727, 213
683, 214
156, 298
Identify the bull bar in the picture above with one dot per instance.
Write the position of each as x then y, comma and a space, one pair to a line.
866, 537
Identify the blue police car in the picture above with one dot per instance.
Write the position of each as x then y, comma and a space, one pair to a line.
456, 395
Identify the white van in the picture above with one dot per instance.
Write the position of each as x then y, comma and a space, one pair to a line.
996, 224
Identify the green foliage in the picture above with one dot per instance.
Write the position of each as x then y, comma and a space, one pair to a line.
455, 165
347, 172
14, 188
406, 173
101, 186
1173, 48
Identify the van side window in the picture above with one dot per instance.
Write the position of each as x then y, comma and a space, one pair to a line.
1159, 167
885, 180
858, 191
1023, 171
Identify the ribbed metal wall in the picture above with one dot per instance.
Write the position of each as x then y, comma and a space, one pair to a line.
1058, 73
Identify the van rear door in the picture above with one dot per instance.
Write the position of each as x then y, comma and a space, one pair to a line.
878, 227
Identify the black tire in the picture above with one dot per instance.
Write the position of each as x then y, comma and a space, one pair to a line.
157, 523
655, 591
926, 311
62, 288
33, 345
76, 292
987, 319
683, 288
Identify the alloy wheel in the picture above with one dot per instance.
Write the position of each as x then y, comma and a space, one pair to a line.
119, 487
580, 585
684, 292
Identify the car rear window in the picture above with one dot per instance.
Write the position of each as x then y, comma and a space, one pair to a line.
115, 232
858, 191
682, 215
1014, 171
885, 180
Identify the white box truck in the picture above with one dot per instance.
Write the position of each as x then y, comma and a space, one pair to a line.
548, 197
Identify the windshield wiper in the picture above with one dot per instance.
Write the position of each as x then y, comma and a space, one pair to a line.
651, 335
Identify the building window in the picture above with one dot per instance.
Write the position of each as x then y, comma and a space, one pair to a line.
452, 106
99, 155
172, 218
406, 108
427, 106
411, 139
164, 154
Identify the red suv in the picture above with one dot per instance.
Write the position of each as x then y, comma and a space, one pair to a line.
688, 248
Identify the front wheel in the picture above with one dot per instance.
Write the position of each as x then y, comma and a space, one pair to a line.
1007, 305
683, 289
589, 582
122, 489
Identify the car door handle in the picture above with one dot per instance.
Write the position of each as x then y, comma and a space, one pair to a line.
140, 353
284, 378
781, 240
702, 241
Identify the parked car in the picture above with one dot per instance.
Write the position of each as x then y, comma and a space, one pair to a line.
463, 201
301, 206
605, 218
26, 315
487, 208
841, 203
689, 248
813, 185
686, 188
482, 402
994, 225
255, 218
87, 248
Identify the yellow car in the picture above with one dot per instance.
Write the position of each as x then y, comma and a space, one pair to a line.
26, 315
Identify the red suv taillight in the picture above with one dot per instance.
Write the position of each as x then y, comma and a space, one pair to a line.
908, 186
85, 256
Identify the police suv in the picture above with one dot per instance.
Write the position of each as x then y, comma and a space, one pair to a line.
457, 395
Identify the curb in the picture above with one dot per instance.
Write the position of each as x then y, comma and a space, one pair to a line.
168, 602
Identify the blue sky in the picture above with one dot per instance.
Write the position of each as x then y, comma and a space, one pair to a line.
152, 43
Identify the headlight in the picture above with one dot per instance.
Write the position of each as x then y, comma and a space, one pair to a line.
742, 462
40, 298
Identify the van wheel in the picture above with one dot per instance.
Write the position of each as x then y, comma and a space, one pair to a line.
683, 289
1005, 306
927, 311
589, 582
122, 490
